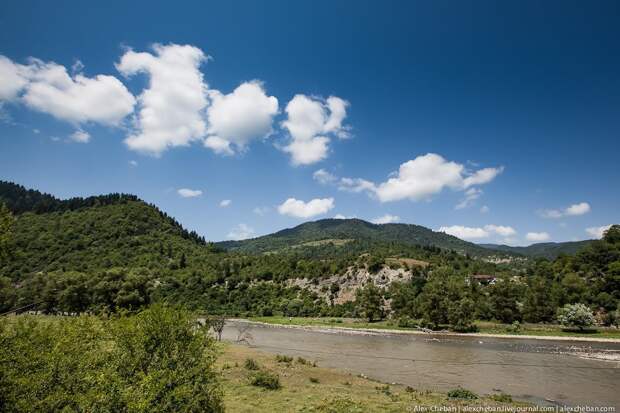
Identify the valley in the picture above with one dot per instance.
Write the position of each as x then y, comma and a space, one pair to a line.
390, 290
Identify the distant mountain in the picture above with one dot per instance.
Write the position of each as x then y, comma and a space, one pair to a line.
346, 229
549, 250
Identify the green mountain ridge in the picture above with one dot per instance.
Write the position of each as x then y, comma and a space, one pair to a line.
549, 250
115, 251
340, 229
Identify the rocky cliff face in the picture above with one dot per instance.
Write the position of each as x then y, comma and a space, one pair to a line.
348, 283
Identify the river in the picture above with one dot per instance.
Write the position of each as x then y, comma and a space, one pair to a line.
544, 372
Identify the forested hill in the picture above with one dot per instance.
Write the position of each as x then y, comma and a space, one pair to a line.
357, 229
19, 200
117, 252
549, 250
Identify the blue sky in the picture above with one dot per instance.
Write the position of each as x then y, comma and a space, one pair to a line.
518, 105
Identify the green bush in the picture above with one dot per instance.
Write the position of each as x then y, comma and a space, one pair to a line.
461, 393
284, 359
156, 360
515, 327
265, 380
251, 364
502, 398
407, 322
576, 316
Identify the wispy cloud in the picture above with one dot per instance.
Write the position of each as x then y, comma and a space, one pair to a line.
241, 231
386, 219
189, 193
572, 210
537, 236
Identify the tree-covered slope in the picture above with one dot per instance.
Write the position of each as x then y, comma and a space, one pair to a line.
20, 200
129, 234
549, 250
116, 252
359, 230
87, 234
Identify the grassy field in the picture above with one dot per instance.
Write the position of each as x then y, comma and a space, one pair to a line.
309, 388
484, 327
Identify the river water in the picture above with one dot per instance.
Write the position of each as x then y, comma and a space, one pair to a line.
544, 372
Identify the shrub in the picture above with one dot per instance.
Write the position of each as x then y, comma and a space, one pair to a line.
575, 316
384, 389
341, 404
302, 360
283, 359
406, 322
515, 327
461, 393
265, 380
314, 380
156, 360
502, 398
251, 364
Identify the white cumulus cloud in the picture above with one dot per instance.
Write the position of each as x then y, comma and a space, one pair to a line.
537, 236
238, 117
597, 232
300, 209
487, 231
386, 219
171, 108
13, 78
241, 231
419, 179
47, 87
341, 216
80, 136
429, 174
309, 122
572, 210
189, 193
578, 209
463, 232
225, 202
504, 231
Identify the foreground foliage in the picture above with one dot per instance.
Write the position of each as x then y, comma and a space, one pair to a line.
157, 360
